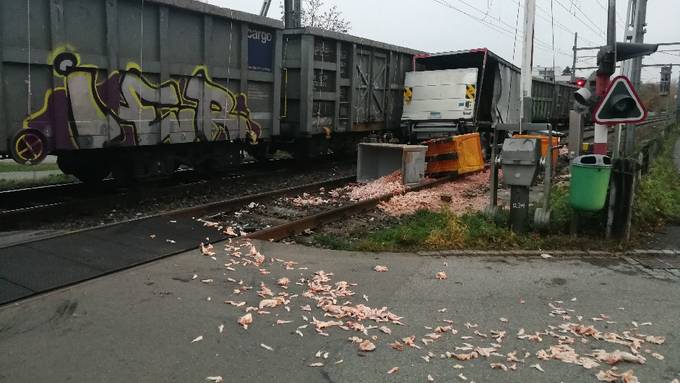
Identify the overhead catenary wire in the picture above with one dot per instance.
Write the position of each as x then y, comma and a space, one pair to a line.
496, 27
505, 24
585, 15
606, 10
559, 25
598, 31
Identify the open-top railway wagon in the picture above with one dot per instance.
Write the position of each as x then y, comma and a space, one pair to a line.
338, 89
138, 88
135, 87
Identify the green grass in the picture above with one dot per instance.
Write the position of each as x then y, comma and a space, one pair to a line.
334, 242
658, 199
7, 166
410, 234
25, 183
657, 203
427, 230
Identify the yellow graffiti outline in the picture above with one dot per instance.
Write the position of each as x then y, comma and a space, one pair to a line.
215, 129
246, 117
66, 48
43, 109
95, 100
162, 112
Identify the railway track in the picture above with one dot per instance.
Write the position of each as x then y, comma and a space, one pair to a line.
37, 267
45, 194
24, 207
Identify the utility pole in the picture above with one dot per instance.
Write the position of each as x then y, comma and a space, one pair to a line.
573, 66
677, 100
606, 61
527, 63
292, 14
635, 33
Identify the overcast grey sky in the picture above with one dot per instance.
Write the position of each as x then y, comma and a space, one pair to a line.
435, 26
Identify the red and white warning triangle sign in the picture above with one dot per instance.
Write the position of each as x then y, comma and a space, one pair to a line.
620, 105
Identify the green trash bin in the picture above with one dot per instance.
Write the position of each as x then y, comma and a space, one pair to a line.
590, 182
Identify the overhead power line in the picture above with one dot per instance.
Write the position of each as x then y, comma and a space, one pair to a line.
606, 11
500, 28
598, 31
578, 8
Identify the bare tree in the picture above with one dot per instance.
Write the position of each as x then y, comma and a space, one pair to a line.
315, 13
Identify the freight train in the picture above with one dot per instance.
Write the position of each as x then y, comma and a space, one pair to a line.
137, 88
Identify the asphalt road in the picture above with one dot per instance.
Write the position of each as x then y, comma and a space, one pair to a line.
138, 325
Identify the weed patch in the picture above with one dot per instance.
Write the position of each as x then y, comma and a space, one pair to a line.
658, 199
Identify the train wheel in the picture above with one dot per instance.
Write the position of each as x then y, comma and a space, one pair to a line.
29, 147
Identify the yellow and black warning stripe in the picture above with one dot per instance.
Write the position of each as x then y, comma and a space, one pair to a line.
408, 95
470, 91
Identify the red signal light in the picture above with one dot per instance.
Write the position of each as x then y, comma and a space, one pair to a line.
581, 82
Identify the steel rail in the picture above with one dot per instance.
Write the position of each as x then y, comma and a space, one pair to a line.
186, 213
289, 229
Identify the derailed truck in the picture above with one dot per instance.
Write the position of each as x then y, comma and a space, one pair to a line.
469, 91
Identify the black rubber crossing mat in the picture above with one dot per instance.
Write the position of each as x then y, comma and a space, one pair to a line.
44, 265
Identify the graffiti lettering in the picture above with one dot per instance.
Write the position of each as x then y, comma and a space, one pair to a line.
127, 109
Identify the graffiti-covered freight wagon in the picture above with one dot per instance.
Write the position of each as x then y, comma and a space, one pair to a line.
135, 87
338, 89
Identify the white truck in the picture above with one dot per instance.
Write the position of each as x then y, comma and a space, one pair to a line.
437, 102
469, 91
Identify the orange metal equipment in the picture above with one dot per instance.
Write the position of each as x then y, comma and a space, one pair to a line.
544, 145
454, 155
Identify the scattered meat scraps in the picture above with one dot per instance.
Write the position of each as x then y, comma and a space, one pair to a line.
566, 354
468, 193
321, 295
468, 356
208, 250
389, 184
393, 370
613, 376
617, 356
366, 346
308, 200
246, 320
